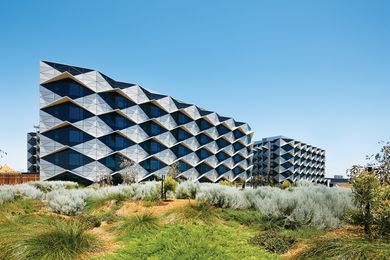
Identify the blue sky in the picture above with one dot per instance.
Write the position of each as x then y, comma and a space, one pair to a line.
317, 71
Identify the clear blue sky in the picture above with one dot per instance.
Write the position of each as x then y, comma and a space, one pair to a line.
317, 71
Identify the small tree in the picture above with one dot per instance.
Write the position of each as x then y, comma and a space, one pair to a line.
380, 163
104, 179
365, 187
169, 183
129, 172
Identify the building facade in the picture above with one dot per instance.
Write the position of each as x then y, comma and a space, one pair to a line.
90, 122
288, 159
33, 152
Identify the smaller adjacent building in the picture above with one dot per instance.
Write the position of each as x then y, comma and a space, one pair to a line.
33, 152
284, 158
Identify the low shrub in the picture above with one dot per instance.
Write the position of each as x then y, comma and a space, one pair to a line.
89, 221
13, 192
67, 202
141, 223
273, 241
187, 190
222, 196
169, 185
47, 186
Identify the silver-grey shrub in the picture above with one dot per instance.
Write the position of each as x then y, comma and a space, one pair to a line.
67, 202
187, 190
47, 186
13, 192
306, 204
222, 196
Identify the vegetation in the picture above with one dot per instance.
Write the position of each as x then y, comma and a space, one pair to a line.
273, 241
346, 248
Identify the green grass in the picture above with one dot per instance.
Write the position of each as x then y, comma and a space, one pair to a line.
141, 223
104, 209
303, 233
273, 240
347, 248
17, 208
43, 237
244, 217
189, 241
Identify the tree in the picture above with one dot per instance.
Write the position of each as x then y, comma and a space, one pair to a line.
380, 163
365, 187
104, 179
169, 183
129, 172
262, 180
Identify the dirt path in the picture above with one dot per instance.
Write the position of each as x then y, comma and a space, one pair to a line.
108, 242
131, 208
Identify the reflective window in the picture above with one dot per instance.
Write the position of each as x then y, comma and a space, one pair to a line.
68, 112
152, 111
203, 153
68, 87
68, 159
112, 162
116, 100
203, 124
222, 156
203, 139
152, 146
152, 129
183, 166
116, 141
237, 158
152, 164
180, 134
116, 121
180, 150
238, 146
68, 135
222, 169
238, 134
222, 129
203, 168
222, 142
180, 118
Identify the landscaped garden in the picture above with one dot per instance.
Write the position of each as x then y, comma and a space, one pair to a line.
60, 220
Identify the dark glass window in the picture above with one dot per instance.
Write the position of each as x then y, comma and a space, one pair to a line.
222, 143
222, 156
203, 124
203, 153
222, 129
152, 164
68, 159
183, 166
68, 135
222, 169
116, 100
237, 170
68, 87
116, 121
116, 141
180, 150
238, 134
68, 112
152, 146
112, 162
180, 134
238, 146
180, 118
152, 111
237, 158
203, 139
152, 129
203, 168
